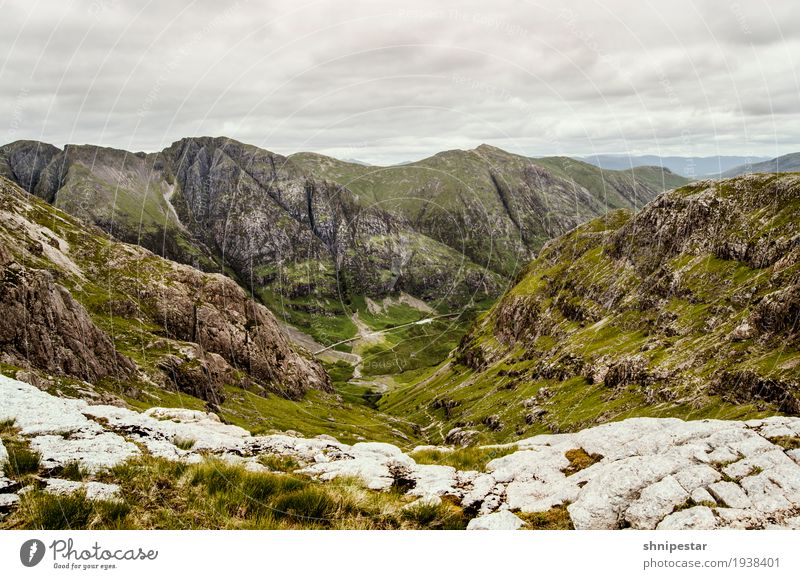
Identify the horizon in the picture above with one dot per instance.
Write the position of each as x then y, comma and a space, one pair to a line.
365, 159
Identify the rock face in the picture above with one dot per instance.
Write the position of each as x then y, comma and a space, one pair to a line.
646, 473
693, 301
76, 303
311, 226
43, 326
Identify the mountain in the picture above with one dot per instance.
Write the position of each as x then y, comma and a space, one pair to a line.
691, 167
311, 236
79, 305
783, 164
689, 308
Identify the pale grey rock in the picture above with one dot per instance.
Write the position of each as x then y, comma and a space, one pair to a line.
603, 499
697, 476
433, 479
766, 496
655, 502
499, 521
647, 467
93, 451
7, 485
730, 494
482, 485
698, 518
380, 448
8, 501
731, 518
95, 491
701, 495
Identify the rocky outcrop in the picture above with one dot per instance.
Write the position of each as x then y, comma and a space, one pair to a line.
43, 327
691, 303
189, 331
644, 473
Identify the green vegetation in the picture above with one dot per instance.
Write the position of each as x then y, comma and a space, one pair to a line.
555, 519
579, 459
787, 442
184, 443
41, 510
159, 494
467, 458
73, 471
21, 460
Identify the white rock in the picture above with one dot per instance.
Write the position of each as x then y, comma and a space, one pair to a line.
481, 486
93, 451
8, 501
181, 415
433, 479
730, 494
426, 500
656, 502
95, 491
697, 476
699, 518
500, 521
7, 485
603, 499
701, 495
381, 448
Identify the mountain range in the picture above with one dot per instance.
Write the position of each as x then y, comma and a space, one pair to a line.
309, 234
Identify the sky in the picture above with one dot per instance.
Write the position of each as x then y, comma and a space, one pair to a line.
388, 82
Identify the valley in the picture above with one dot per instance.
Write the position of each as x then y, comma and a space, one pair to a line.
381, 326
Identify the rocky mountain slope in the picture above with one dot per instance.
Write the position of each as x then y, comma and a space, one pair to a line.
308, 234
783, 164
639, 473
688, 308
79, 305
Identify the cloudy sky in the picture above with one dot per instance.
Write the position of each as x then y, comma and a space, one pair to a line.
395, 81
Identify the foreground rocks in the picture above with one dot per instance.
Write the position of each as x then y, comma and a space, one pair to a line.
643, 473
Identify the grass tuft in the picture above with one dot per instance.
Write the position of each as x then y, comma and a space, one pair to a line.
21, 461
579, 459
73, 471
556, 518
184, 443
467, 458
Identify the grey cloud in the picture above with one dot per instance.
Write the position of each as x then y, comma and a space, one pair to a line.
391, 82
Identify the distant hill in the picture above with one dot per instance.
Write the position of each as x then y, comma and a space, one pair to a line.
691, 167
784, 164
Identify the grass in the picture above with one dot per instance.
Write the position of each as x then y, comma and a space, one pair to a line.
579, 459
786, 442
555, 519
184, 443
73, 471
41, 510
21, 460
468, 458
7, 425
277, 462
159, 494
